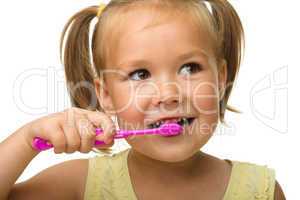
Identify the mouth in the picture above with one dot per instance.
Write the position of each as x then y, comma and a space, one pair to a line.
181, 121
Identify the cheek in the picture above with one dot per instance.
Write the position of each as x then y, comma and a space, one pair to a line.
131, 101
204, 96
121, 97
135, 95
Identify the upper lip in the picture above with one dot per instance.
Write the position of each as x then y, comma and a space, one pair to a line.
151, 121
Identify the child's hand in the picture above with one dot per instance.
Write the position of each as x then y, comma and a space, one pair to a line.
72, 130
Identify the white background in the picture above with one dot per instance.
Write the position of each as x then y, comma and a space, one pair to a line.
265, 90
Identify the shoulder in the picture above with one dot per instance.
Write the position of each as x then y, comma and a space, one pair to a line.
61, 181
256, 179
74, 173
77, 168
248, 179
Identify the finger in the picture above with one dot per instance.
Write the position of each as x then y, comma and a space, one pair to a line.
49, 129
98, 119
72, 135
105, 122
88, 136
58, 140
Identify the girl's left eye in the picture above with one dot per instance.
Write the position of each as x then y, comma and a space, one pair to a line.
190, 68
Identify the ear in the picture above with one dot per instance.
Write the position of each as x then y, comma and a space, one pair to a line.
222, 78
103, 95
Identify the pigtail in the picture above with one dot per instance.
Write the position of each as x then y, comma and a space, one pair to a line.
76, 59
231, 33
77, 62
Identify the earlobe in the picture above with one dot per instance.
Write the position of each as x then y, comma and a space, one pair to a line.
222, 78
97, 86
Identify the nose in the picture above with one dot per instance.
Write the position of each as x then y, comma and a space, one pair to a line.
168, 94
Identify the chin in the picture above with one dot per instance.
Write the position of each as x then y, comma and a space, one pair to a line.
164, 153
172, 156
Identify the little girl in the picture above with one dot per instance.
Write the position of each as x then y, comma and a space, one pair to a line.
135, 68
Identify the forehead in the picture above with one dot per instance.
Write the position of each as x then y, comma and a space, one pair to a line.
151, 33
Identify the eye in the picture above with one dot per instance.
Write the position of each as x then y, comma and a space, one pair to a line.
139, 74
190, 68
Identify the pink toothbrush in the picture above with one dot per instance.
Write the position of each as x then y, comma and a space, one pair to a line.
167, 129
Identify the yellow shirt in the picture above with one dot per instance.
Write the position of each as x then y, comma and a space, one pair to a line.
108, 179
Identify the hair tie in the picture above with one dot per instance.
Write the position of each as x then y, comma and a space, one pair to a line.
100, 9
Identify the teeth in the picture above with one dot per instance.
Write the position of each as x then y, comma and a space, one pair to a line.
183, 121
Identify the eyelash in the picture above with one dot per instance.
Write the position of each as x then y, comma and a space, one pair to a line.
199, 68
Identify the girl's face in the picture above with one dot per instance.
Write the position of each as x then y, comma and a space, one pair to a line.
163, 71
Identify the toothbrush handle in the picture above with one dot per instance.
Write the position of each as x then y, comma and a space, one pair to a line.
41, 144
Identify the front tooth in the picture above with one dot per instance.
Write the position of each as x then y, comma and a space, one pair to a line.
183, 121
157, 124
186, 121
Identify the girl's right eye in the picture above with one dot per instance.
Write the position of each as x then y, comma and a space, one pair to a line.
140, 73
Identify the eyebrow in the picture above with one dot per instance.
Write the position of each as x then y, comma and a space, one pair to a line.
184, 56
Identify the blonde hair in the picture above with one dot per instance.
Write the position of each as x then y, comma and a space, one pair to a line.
84, 60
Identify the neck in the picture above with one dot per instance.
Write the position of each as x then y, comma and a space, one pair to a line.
148, 166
